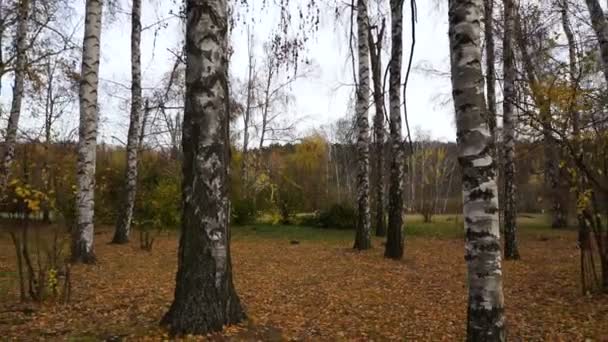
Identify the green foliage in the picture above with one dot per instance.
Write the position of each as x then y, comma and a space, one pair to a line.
243, 211
339, 216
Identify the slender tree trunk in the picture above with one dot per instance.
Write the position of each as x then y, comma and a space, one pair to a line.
508, 118
13, 119
552, 179
490, 64
82, 244
485, 319
123, 226
394, 239
376, 62
587, 264
247, 114
600, 26
363, 235
48, 121
205, 298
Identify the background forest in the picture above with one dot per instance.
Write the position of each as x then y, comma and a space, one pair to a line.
105, 219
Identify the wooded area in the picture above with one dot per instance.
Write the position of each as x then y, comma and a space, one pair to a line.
363, 215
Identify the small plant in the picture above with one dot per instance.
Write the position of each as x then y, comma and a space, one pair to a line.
339, 216
41, 270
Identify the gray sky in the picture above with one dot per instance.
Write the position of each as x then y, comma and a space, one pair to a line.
319, 100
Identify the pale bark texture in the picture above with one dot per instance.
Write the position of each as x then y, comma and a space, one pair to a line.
375, 50
363, 234
509, 121
15, 112
600, 26
82, 242
485, 316
125, 217
394, 239
205, 298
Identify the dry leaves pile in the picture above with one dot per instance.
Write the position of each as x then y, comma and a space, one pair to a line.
317, 291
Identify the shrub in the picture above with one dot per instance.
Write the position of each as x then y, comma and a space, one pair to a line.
339, 216
243, 211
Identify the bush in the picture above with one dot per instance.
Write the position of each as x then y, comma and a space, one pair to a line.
339, 216
243, 211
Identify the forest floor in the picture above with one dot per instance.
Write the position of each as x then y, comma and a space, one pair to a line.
319, 289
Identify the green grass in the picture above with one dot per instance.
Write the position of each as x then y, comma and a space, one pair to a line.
442, 226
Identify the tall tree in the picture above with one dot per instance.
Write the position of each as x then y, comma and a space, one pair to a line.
205, 298
543, 102
375, 50
363, 235
600, 26
82, 241
508, 119
394, 239
485, 315
13, 119
123, 226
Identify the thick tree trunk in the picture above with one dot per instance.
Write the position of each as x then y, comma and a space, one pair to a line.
82, 243
205, 298
13, 119
123, 226
376, 61
363, 235
509, 122
600, 26
486, 320
394, 239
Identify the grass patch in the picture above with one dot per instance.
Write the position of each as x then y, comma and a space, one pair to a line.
441, 227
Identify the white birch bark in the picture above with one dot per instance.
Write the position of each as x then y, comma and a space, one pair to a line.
205, 298
82, 244
123, 226
363, 235
15, 113
486, 321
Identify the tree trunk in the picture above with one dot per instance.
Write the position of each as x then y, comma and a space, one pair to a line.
205, 298
551, 176
511, 250
394, 239
48, 122
123, 226
362, 238
376, 61
485, 319
82, 244
13, 119
600, 26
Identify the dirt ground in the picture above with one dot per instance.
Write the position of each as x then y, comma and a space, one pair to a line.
316, 291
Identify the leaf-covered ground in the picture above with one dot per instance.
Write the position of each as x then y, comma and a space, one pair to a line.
316, 290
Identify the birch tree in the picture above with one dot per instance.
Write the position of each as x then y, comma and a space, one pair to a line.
362, 238
394, 239
508, 118
600, 27
123, 226
205, 298
485, 314
82, 243
375, 50
15, 112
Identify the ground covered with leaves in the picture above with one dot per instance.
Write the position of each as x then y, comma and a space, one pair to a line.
317, 289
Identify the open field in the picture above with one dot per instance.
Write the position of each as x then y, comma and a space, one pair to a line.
320, 289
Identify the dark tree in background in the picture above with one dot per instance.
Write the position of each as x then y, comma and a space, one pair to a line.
205, 298
394, 239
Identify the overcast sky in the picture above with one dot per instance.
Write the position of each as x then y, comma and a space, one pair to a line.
319, 100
